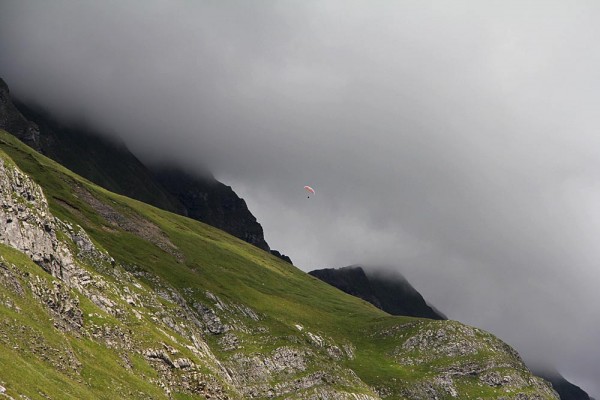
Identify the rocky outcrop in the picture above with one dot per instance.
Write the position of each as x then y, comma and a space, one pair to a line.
64, 306
449, 339
293, 370
448, 350
27, 225
390, 292
210, 320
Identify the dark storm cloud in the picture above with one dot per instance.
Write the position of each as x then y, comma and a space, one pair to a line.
456, 142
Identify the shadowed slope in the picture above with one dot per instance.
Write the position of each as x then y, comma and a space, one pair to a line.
108, 163
390, 292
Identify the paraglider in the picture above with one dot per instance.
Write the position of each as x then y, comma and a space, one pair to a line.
309, 190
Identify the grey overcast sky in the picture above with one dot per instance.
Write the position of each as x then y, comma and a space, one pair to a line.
455, 141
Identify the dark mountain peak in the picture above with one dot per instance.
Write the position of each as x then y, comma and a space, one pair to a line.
49, 122
398, 295
565, 389
282, 256
351, 279
11, 120
389, 274
385, 289
180, 173
353, 276
349, 273
212, 202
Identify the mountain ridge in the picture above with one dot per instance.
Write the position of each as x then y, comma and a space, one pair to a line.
139, 302
110, 164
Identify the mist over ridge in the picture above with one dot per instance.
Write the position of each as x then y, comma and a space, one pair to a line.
455, 142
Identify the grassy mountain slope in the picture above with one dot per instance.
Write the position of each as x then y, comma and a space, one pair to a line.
156, 305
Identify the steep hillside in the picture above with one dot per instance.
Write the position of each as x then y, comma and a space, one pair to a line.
105, 297
391, 293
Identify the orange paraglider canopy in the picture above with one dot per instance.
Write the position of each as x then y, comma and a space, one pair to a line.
309, 190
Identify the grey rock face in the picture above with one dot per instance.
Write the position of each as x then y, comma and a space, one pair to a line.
183, 375
229, 342
64, 306
159, 354
27, 225
256, 370
211, 321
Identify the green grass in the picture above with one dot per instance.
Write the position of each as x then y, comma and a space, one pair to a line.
212, 260
30, 349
